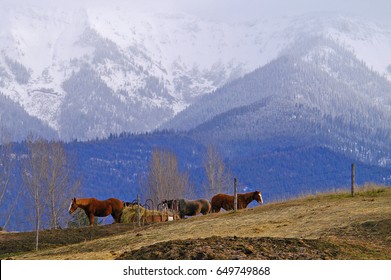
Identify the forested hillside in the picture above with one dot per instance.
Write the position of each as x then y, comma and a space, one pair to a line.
117, 166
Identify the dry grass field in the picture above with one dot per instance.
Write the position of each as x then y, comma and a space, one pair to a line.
324, 226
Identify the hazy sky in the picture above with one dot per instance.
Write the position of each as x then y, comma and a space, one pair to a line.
233, 10
248, 9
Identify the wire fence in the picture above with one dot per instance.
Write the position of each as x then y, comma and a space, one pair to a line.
141, 214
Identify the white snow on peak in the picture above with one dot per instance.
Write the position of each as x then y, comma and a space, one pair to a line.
187, 54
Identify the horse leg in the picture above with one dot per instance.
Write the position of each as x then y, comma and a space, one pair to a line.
91, 217
227, 207
116, 217
205, 211
119, 217
216, 209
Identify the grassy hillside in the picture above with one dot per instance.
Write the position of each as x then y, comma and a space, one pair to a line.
334, 225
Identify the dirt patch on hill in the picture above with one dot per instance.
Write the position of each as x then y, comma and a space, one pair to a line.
19, 242
369, 230
367, 240
235, 248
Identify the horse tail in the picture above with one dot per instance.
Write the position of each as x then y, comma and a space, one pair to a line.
209, 207
120, 205
215, 204
120, 215
205, 206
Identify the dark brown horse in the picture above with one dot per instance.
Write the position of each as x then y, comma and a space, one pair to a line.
99, 208
227, 201
188, 207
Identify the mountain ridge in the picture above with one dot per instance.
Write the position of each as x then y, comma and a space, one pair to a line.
294, 96
151, 63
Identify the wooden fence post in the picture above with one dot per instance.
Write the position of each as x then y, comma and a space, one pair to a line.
138, 210
353, 179
235, 195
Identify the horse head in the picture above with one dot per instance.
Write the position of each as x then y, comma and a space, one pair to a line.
171, 204
258, 197
164, 203
73, 206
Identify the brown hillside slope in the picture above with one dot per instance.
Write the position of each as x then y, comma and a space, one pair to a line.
331, 226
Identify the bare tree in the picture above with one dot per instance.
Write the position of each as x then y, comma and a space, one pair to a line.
57, 175
33, 178
187, 185
164, 181
6, 183
47, 176
218, 178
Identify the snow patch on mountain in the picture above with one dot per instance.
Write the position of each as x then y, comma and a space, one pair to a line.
154, 64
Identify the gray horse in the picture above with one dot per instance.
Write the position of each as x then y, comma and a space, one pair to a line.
188, 207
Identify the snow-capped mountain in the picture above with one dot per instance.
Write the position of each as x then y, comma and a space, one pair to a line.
318, 94
89, 72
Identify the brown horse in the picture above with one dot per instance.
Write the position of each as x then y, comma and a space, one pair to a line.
227, 201
99, 208
188, 207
